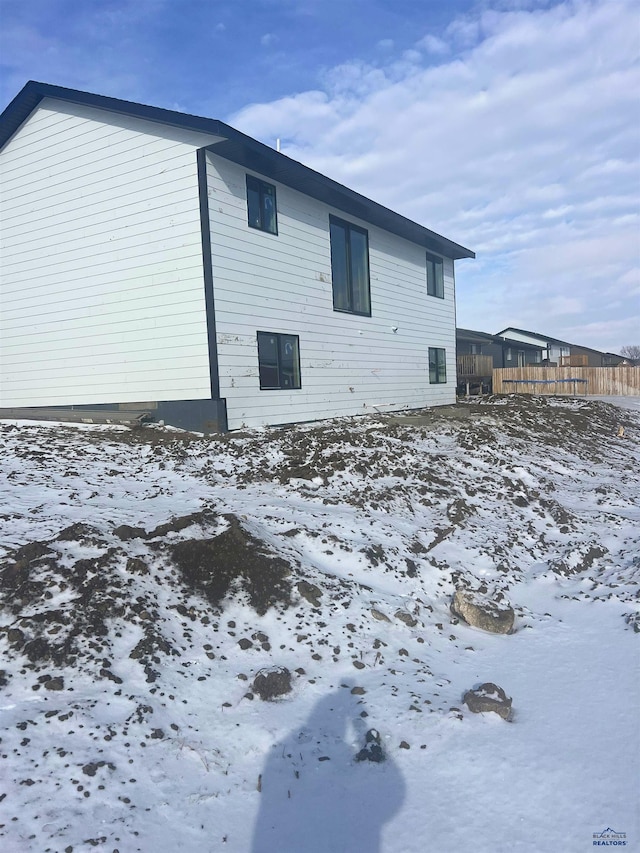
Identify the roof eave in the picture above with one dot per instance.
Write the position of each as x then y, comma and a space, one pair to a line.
241, 149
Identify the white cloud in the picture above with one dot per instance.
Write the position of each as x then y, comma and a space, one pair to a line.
521, 144
565, 305
434, 45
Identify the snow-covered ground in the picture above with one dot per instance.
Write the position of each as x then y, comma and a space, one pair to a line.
148, 576
632, 403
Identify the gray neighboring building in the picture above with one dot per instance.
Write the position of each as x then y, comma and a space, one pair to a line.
562, 353
478, 353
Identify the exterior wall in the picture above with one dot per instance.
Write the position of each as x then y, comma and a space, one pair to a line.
464, 347
511, 351
557, 351
102, 282
595, 358
550, 350
349, 364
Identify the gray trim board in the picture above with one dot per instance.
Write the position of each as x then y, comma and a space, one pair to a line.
193, 415
241, 149
207, 265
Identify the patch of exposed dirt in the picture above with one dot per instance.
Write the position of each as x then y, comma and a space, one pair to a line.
89, 593
230, 562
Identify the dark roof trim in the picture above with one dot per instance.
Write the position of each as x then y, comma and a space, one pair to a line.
246, 152
535, 335
557, 341
471, 333
479, 337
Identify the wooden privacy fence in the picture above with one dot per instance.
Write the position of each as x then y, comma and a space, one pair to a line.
474, 365
571, 381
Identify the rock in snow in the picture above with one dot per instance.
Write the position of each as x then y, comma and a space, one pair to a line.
272, 683
480, 612
488, 697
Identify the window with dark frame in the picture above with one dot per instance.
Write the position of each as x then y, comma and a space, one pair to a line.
278, 361
435, 276
437, 365
261, 205
350, 267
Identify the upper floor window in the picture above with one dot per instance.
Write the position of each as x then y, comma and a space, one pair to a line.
435, 276
437, 365
278, 361
261, 205
350, 267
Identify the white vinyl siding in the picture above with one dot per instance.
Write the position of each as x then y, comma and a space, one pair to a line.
102, 276
349, 364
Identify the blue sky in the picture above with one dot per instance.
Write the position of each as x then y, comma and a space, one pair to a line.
510, 126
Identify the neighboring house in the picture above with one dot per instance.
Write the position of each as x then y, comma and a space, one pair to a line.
553, 350
502, 350
560, 352
588, 357
159, 261
478, 353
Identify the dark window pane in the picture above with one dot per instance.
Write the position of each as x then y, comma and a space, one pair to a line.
289, 362
261, 205
339, 273
433, 367
269, 208
442, 366
437, 365
359, 272
435, 276
253, 203
268, 360
349, 267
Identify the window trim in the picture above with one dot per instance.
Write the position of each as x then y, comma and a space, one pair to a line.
435, 261
260, 184
441, 369
348, 227
279, 336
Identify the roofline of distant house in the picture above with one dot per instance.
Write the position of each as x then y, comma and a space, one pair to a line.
496, 339
534, 335
556, 341
241, 149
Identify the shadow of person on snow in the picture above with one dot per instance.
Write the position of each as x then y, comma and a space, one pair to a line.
316, 797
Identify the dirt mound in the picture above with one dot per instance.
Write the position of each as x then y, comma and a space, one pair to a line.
230, 562
89, 594
68, 611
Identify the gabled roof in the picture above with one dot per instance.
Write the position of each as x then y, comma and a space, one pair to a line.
557, 341
476, 337
480, 337
245, 151
535, 335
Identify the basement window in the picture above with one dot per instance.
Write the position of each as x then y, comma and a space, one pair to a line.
437, 366
278, 361
435, 276
350, 267
261, 205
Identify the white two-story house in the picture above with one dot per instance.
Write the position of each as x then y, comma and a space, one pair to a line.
165, 262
